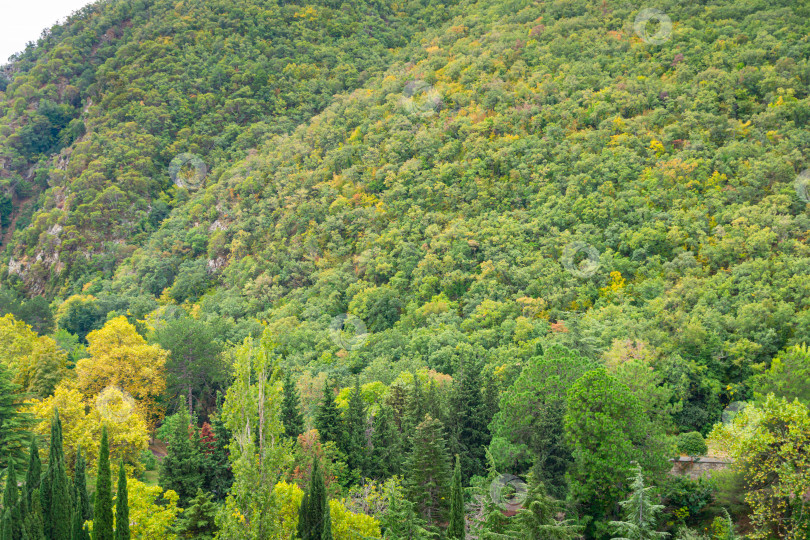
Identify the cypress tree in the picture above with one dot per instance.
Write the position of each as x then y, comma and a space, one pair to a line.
327, 523
34, 475
314, 511
327, 418
456, 528
56, 490
354, 445
427, 478
77, 531
122, 506
80, 482
291, 415
304, 517
102, 512
12, 518
34, 523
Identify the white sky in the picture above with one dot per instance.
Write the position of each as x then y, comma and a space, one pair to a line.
22, 21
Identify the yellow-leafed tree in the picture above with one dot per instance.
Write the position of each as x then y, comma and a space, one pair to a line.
38, 364
152, 511
120, 357
82, 420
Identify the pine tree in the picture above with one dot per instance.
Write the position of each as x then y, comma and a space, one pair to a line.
400, 520
414, 414
122, 506
327, 418
80, 483
314, 509
14, 422
456, 528
354, 445
218, 473
102, 511
198, 520
641, 513
385, 458
537, 519
182, 468
291, 415
427, 479
469, 421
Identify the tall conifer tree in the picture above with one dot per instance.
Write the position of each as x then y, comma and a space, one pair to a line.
102, 512
122, 506
427, 479
456, 528
327, 419
291, 415
354, 445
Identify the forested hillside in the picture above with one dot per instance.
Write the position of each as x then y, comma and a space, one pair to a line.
409, 270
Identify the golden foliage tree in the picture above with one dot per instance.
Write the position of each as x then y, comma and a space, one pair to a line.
120, 357
38, 364
82, 420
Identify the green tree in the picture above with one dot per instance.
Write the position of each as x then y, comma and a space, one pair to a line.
56, 489
291, 408
313, 514
427, 478
218, 473
122, 506
640, 512
14, 422
12, 524
529, 427
194, 367
182, 470
469, 421
401, 521
608, 429
33, 476
456, 528
354, 443
80, 484
537, 519
385, 459
788, 375
103, 507
770, 446
327, 418
198, 520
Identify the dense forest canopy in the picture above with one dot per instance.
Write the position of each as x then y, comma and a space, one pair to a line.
413, 269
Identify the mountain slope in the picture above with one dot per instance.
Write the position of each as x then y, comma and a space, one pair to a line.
123, 87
